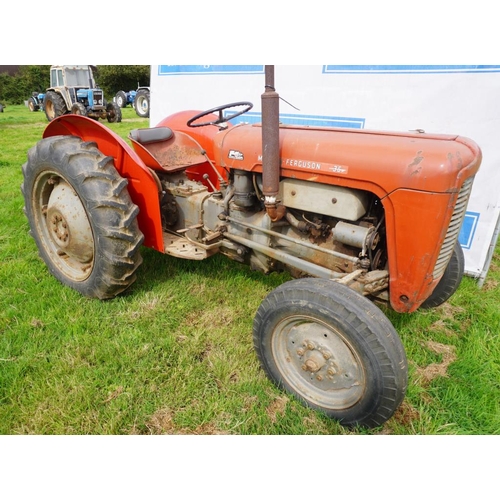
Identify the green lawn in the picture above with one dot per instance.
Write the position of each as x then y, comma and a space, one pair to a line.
174, 354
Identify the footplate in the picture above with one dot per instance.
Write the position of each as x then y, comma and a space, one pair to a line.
179, 246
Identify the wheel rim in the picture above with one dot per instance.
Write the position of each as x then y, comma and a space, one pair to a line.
49, 109
63, 226
143, 104
318, 362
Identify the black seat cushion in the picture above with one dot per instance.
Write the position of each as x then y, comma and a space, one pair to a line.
147, 135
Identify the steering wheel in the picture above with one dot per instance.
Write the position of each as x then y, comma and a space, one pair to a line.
219, 110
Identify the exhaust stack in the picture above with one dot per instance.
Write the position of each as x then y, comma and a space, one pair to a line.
271, 147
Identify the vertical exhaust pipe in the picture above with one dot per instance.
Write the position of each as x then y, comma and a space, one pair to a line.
271, 147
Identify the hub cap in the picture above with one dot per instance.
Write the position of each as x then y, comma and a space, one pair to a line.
318, 362
64, 227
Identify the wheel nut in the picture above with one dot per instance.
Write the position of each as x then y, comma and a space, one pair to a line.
309, 345
300, 351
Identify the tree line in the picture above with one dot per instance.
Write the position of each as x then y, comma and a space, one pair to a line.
17, 88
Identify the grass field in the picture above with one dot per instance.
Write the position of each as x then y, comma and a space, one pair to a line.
174, 354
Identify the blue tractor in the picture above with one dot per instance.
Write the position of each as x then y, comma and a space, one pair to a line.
138, 99
73, 90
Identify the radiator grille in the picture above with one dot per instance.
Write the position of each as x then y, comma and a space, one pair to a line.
453, 229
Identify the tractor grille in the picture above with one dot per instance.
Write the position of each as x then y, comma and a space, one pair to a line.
453, 229
98, 99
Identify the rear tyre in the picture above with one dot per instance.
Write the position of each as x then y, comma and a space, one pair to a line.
54, 105
33, 105
450, 281
121, 99
81, 216
333, 349
141, 103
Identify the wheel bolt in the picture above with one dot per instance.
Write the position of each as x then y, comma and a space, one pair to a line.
309, 345
300, 351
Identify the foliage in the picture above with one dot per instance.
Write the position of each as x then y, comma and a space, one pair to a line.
114, 78
15, 89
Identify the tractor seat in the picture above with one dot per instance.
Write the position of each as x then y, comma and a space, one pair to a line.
162, 149
148, 135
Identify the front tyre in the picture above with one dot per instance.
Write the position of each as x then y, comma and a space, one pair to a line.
78, 109
333, 349
81, 216
113, 112
450, 280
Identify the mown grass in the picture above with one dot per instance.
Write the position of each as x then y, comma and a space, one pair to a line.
174, 354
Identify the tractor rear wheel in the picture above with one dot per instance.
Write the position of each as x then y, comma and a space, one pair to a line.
450, 281
333, 349
121, 99
141, 103
81, 216
54, 105
33, 105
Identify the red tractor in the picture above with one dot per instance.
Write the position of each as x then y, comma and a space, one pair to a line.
357, 217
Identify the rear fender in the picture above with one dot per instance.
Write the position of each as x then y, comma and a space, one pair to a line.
143, 185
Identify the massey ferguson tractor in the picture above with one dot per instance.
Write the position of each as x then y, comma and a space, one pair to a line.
356, 217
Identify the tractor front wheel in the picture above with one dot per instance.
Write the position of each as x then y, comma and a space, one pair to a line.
450, 281
54, 105
113, 112
81, 216
78, 109
333, 349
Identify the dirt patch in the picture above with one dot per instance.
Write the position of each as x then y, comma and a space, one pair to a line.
162, 422
490, 284
450, 312
441, 326
277, 407
430, 372
406, 414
